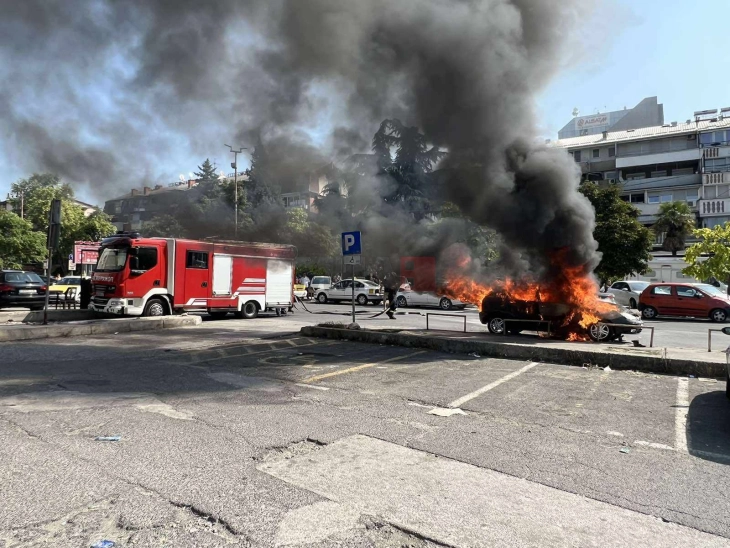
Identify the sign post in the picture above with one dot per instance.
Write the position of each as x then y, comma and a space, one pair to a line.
351, 250
54, 235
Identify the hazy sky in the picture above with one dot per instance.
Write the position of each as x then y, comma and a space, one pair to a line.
667, 48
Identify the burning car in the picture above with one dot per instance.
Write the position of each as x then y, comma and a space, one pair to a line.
503, 314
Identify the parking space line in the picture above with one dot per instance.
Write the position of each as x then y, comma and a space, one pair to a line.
359, 367
680, 417
461, 401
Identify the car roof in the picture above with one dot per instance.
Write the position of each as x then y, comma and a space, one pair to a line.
678, 283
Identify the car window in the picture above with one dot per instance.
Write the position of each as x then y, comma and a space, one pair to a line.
359, 285
338, 285
684, 291
662, 290
620, 285
22, 277
712, 290
638, 286
321, 280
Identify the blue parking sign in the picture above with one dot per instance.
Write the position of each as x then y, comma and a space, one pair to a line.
351, 244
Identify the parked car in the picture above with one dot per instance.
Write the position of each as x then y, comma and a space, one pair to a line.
407, 297
320, 282
627, 292
514, 316
67, 283
20, 288
695, 300
300, 290
365, 292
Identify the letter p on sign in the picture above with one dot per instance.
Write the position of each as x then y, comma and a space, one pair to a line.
351, 243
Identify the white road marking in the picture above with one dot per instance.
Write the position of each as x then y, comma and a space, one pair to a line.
654, 445
680, 417
461, 401
314, 386
613, 433
441, 412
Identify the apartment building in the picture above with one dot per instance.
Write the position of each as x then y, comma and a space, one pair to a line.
309, 187
672, 162
649, 112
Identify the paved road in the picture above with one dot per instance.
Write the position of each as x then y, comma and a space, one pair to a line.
246, 436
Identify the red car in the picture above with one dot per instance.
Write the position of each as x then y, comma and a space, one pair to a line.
673, 299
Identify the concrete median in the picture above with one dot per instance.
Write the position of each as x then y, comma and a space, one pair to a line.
654, 360
93, 327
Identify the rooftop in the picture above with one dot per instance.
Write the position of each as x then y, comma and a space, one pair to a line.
667, 130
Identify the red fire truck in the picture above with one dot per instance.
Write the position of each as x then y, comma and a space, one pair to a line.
157, 276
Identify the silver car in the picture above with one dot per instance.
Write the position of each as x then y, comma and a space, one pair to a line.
627, 292
407, 297
365, 292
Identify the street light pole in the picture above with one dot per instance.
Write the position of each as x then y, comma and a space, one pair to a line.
234, 165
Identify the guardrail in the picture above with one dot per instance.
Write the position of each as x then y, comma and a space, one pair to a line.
709, 338
462, 316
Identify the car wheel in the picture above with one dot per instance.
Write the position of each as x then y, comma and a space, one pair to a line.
322, 298
632, 303
250, 310
718, 315
154, 307
599, 332
362, 299
401, 302
496, 326
649, 313
445, 304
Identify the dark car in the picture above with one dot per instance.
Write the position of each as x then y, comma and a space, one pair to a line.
19, 288
502, 315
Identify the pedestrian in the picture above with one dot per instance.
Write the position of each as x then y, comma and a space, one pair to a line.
391, 282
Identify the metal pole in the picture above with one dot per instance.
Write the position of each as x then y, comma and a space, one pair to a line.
353, 292
235, 185
48, 285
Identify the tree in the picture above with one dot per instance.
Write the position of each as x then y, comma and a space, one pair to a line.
677, 221
624, 242
19, 243
207, 173
311, 239
260, 187
710, 258
165, 226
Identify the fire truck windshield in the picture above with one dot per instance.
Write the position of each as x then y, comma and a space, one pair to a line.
112, 259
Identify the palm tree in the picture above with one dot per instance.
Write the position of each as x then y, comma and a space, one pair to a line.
677, 221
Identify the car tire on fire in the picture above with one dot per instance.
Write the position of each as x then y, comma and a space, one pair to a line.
600, 332
496, 326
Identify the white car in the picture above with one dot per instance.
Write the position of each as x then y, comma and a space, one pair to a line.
365, 292
407, 297
627, 292
320, 282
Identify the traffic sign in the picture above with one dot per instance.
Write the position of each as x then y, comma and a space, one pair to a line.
352, 259
71, 266
71, 257
351, 244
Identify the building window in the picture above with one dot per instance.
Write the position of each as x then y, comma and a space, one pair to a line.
611, 152
196, 259
611, 175
653, 199
637, 198
683, 171
662, 173
596, 153
576, 155
666, 198
632, 176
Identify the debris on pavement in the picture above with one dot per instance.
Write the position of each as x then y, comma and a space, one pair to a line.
104, 544
442, 412
624, 450
607, 368
475, 355
107, 438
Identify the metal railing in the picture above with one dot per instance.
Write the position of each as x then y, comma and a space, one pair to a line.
462, 316
709, 338
651, 337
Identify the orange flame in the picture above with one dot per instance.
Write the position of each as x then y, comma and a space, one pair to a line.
573, 285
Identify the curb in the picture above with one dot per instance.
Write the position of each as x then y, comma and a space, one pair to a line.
95, 327
485, 348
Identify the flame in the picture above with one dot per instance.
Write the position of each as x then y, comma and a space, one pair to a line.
570, 285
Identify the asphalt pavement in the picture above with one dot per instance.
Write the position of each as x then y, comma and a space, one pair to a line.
236, 433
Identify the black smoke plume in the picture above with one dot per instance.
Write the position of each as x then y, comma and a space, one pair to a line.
101, 92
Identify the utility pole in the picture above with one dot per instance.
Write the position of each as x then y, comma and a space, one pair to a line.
234, 165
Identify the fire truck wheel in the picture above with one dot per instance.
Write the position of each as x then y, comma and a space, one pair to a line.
250, 310
154, 307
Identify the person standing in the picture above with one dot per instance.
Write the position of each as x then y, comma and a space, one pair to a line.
390, 283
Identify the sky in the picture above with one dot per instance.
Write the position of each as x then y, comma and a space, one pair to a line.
667, 49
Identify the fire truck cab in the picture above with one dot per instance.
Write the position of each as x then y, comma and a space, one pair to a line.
138, 276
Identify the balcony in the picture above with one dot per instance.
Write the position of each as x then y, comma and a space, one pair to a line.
714, 207
715, 152
716, 178
658, 158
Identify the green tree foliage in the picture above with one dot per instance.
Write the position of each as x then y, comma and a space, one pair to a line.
624, 242
38, 191
710, 258
19, 243
677, 221
312, 239
165, 226
260, 186
207, 173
